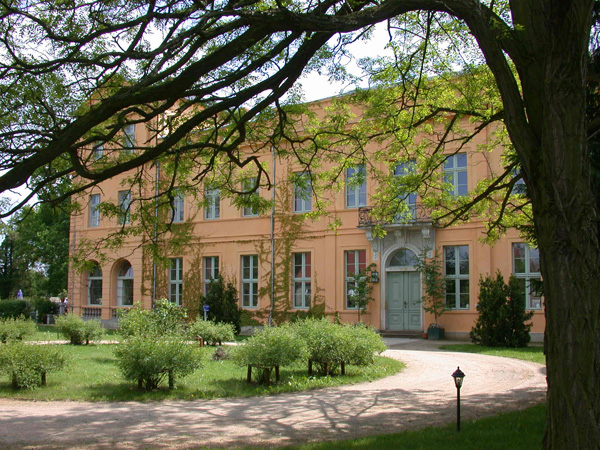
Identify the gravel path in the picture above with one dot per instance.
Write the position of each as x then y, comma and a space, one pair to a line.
422, 395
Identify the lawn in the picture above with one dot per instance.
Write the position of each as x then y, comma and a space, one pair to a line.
531, 353
92, 375
49, 333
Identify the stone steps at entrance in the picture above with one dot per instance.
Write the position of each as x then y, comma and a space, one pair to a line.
402, 334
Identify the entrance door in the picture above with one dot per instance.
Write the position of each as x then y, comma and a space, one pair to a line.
403, 302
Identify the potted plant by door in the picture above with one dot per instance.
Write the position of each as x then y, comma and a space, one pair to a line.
434, 286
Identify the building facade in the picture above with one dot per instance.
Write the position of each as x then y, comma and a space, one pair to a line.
289, 262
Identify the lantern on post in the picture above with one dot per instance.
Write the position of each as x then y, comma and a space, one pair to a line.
458, 376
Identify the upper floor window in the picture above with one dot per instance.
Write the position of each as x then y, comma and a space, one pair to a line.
456, 268
176, 280
212, 210
302, 192
526, 268
410, 198
356, 186
98, 150
355, 262
94, 282
129, 137
125, 205
301, 280
211, 270
178, 208
250, 281
455, 174
95, 210
125, 284
247, 185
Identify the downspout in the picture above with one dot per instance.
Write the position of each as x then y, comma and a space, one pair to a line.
156, 192
272, 243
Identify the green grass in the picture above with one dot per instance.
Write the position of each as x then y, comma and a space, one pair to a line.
92, 375
49, 333
532, 353
520, 430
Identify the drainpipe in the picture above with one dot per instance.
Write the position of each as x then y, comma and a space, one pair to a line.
272, 243
155, 233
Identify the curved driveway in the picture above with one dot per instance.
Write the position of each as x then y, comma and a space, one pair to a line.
422, 395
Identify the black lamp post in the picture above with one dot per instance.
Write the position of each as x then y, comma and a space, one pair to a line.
458, 381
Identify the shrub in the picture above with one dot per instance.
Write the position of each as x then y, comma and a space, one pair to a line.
221, 354
328, 343
270, 348
16, 329
165, 319
78, 330
44, 307
149, 360
13, 308
502, 315
212, 333
222, 299
362, 344
26, 365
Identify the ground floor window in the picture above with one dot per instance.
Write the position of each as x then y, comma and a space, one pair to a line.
301, 280
176, 280
526, 268
355, 262
94, 282
456, 269
211, 270
125, 285
250, 281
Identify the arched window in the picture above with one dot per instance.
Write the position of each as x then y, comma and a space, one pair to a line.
403, 257
125, 285
94, 282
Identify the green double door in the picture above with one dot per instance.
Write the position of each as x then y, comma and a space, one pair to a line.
403, 301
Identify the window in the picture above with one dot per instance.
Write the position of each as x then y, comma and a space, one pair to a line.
212, 210
125, 285
98, 151
95, 210
250, 281
247, 185
124, 204
356, 186
301, 280
356, 262
410, 198
178, 208
404, 258
455, 174
456, 266
129, 141
94, 283
176, 280
526, 268
302, 192
211, 270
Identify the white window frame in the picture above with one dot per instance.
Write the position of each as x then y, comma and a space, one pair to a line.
98, 150
211, 270
212, 209
301, 284
452, 172
249, 278
302, 193
178, 208
125, 206
121, 284
176, 281
356, 195
532, 301
94, 210
94, 285
349, 281
457, 280
247, 184
129, 137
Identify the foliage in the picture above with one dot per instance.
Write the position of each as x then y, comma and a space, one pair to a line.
150, 359
221, 354
270, 348
44, 307
213, 333
16, 329
434, 284
502, 315
363, 343
79, 331
13, 308
27, 365
360, 294
165, 319
223, 302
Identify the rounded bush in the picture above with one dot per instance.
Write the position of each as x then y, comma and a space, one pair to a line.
363, 343
16, 329
26, 365
79, 331
213, 333
165, 319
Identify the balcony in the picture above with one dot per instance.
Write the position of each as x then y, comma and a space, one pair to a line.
416, 215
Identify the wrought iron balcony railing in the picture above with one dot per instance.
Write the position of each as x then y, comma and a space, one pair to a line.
416, 213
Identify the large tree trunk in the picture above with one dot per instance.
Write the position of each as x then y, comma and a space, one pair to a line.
557, 171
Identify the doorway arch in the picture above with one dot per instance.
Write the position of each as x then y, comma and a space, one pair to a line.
403, 291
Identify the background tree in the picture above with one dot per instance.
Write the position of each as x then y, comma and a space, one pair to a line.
76, 74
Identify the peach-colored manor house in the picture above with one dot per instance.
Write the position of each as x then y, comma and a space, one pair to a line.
300, 264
